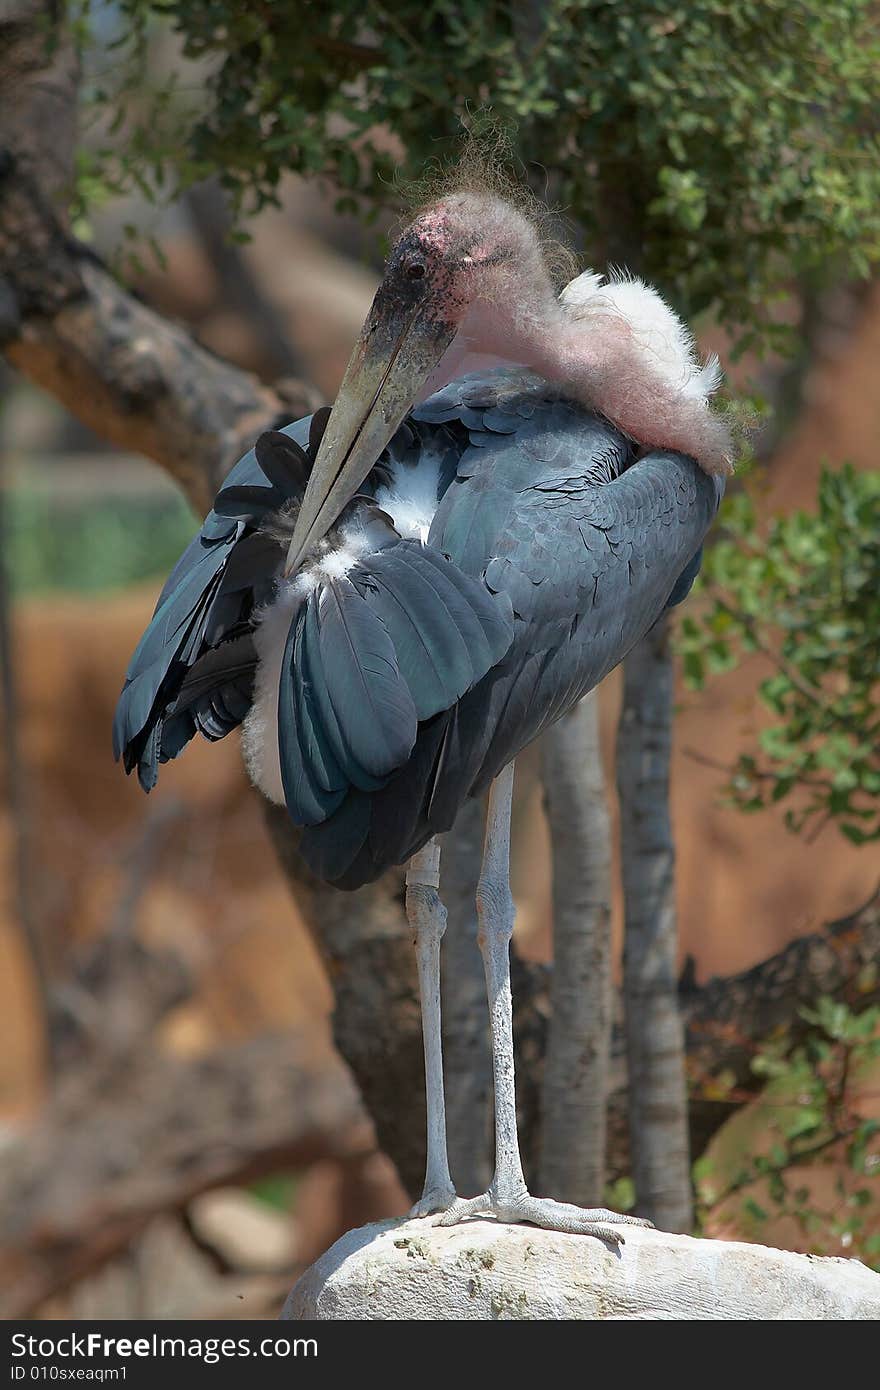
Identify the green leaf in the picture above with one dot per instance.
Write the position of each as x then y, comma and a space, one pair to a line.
755, 1210
804, 1122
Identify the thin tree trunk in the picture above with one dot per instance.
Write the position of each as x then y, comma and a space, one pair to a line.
654, 1034
575, 1087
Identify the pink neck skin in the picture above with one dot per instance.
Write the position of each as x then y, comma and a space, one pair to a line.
490, 336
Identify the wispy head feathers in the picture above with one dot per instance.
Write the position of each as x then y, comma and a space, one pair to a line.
482, 171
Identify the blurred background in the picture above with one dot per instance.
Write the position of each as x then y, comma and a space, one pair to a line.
158, 936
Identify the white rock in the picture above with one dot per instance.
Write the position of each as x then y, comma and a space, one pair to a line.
481, 1269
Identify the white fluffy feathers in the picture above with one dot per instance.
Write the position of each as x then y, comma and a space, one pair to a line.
658, 334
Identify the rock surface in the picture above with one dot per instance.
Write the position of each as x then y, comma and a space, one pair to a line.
412, 1270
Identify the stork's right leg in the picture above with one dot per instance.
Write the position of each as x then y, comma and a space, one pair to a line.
508, 1198
427, 917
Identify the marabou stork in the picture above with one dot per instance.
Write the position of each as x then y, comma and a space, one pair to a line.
395, 598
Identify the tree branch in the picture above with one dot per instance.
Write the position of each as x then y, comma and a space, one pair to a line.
727, 1018
166, 1130
135, 378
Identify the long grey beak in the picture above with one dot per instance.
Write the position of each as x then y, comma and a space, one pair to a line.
399, 346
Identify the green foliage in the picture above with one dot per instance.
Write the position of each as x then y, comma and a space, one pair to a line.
94, 543
727, 146
620, 1195
277, 1191
804, 591
815, 1096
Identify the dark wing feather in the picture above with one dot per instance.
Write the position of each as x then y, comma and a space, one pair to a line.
283, 462
214, 697
302, 751
447, 629
312, 673
372, 719
399, 639
226, 571
373, 706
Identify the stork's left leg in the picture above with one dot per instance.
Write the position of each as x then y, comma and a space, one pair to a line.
508, 1198
427, 918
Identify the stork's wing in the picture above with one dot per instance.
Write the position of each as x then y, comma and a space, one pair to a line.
193, 669
370, 657
549, 508
369, 654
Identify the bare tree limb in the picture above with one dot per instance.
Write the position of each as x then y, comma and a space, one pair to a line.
728, 1017
167, 1130
68, 325
39, 78
129, 374
148, 1136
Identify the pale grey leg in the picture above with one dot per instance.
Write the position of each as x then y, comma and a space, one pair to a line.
427, 917
508, 1198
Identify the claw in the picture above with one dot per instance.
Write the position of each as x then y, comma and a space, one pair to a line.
433, 1200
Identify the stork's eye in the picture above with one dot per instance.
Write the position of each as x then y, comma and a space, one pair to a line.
415, 268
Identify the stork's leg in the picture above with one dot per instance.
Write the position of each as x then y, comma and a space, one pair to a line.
427, 917
508, 1198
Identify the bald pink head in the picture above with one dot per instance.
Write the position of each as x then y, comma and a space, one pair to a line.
471, 248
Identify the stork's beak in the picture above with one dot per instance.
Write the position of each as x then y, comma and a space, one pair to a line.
399, 346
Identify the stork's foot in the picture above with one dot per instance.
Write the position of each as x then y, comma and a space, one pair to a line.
544, 1212
440, 1197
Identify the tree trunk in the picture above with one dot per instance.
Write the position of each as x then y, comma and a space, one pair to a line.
467, 1056
366, 946
654, 1032
575, 1088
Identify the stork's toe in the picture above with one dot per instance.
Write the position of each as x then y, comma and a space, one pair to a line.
544, 1212
439, 1198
